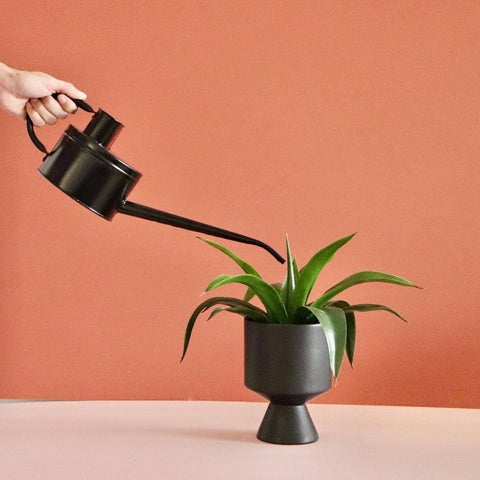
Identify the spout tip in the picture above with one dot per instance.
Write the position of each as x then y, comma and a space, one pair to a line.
274, 253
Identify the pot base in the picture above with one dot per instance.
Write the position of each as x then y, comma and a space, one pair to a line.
287, 425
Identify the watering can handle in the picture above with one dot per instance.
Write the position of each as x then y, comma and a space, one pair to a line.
31, 133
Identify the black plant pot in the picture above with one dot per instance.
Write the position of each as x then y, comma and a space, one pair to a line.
288, 365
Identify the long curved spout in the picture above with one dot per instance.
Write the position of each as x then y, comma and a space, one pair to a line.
147, 213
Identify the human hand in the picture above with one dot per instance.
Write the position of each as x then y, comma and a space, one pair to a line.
23, 93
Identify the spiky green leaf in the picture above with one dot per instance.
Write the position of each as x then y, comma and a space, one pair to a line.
216, 311
369, 307
304, 317
265, 292
216, 280
357, 278
240, 310
290, 281
335, 327
296, 273
351, 328
205, 305
250, 293
309, 274
247, 268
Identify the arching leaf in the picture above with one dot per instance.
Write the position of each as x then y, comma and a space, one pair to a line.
240, 310
356, 279
265, 292
369, 307
205, 305
247, 268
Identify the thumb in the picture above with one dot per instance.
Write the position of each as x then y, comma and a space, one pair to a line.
68, 89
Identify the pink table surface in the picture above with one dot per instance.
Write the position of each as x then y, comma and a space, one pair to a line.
162, 440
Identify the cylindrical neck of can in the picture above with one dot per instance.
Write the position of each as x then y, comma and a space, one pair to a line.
103, 128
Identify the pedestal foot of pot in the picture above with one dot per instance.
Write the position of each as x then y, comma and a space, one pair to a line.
287, 425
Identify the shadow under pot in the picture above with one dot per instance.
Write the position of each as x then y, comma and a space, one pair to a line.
288, 365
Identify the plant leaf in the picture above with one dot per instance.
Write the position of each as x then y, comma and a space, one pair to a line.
309, 273
277, 287
205, 305
216, 311
216, 280
250, 293
357, 278
351, 336
289, 284
369, 307
304, 317
351, 328
247, 268
335, 327
244, 311
265, 292
296, 273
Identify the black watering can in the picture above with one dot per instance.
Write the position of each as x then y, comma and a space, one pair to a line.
82, 166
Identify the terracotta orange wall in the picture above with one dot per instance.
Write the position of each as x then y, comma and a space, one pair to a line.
314, 118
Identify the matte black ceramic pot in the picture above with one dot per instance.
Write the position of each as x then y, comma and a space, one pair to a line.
288, 365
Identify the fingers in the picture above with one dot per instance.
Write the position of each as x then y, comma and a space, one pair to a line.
67, 104
55, 108
41, 112
37, 120
69, 90
47, 110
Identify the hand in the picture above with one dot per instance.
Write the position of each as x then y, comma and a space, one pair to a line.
23, 93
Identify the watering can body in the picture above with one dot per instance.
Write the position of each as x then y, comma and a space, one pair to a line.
82, 166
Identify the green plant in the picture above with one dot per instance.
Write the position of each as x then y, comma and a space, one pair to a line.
287, 302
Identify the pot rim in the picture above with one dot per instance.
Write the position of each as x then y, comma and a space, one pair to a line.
282, 325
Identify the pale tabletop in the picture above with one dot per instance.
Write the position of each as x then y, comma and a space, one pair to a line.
162, 440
